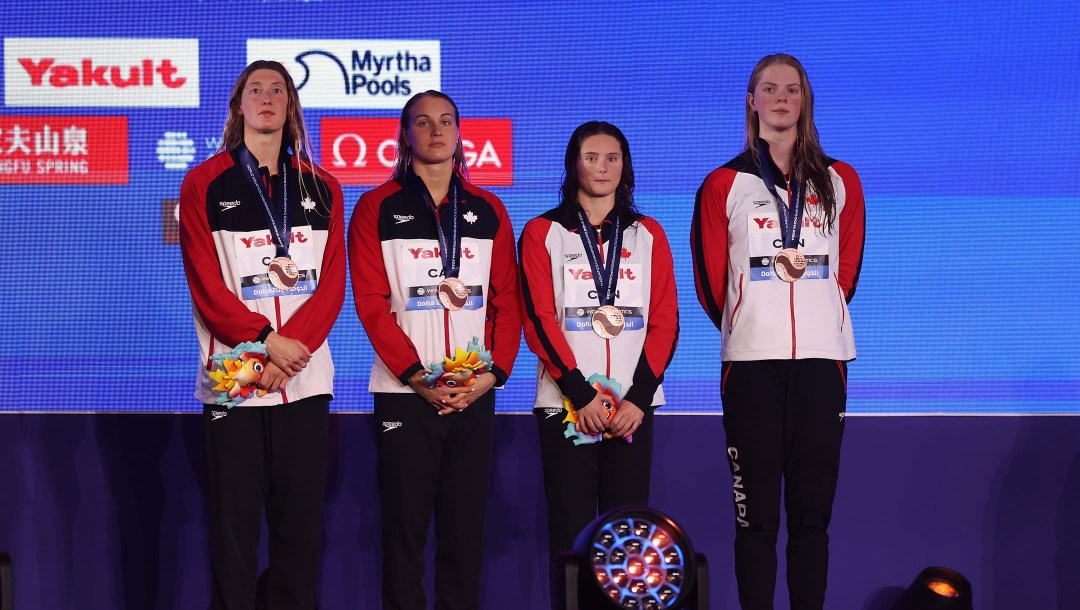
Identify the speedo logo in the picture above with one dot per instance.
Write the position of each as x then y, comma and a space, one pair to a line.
573, 256
761, 203
228, 205
550, 412
400, 218
390, 425
216, 415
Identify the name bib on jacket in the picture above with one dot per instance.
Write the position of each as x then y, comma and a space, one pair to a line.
580, 293
763, 229
422, 270
255, 250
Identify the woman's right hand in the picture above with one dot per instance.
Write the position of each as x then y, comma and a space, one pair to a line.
593, 417
290, 355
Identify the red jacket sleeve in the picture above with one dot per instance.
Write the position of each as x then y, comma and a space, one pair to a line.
852, 230
542, 331
311, 323
662, 333
502, 329
371, 290
709, 243
223, 313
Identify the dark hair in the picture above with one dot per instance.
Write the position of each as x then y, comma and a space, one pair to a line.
809, 162
294, 133
624, 194
404, 156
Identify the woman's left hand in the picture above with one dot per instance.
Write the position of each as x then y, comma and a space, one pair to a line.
627, 419
458, 402
273, 378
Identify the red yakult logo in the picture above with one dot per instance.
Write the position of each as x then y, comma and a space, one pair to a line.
101, 72
772, 223
63, 150
88, 74
268, 240
584, 274
433, 253
362, 151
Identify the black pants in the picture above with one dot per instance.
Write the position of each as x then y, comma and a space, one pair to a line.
784, 420
431, 462
582, 481
272, 458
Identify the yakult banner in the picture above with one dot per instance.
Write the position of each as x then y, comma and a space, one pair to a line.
361, 151
355, 73
63, 150
91, 72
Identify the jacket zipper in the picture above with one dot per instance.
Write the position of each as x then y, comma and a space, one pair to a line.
792, 292
446, 331
607, 342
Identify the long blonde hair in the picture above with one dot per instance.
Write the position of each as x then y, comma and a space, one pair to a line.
809, 162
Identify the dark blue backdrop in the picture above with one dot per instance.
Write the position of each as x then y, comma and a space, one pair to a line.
959, 120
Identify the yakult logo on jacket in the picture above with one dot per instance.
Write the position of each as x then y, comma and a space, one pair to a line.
101, 72
435, 253
362, 151
355, 73
770, 224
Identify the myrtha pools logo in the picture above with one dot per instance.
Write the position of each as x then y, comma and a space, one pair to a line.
355, 73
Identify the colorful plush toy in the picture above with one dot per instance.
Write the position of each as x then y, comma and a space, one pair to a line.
613, 390
237, 372
461, 370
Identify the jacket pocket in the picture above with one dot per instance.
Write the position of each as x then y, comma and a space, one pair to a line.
738, 304
843, 310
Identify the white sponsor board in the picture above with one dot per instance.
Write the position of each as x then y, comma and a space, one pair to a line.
355, 73
101, 72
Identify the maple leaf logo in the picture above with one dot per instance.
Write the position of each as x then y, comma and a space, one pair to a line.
470, 217
625, 253
813, 199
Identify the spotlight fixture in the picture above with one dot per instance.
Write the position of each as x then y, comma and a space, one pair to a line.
937, 589
635, 558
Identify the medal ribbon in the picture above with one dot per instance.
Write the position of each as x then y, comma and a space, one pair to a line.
282, 231
790, 217
449, 252
608, 277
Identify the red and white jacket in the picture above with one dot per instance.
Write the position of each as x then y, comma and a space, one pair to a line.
734, 236
559, 296
396, 266
226, 246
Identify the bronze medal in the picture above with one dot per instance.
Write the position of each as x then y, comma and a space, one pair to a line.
789, 264
282, 273
608, 321
453, 293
